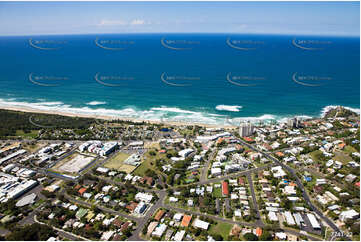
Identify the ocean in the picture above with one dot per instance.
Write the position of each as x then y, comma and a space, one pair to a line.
203, 78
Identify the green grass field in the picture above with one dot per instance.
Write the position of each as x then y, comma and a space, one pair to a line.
116, 162
222, 229
33, 134
349, 149
342, 157
148, 162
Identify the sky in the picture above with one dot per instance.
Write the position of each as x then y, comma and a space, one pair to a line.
290, 18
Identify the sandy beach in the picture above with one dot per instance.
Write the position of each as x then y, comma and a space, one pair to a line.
104, 117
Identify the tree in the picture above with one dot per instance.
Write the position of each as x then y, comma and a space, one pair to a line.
266, 236
217, 237
250, 237
33, 232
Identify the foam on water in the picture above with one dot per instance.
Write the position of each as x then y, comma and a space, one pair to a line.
163, 113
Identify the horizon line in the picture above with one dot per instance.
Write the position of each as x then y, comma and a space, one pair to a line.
195, 33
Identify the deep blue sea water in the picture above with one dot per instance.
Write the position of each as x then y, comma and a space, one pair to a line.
206, 78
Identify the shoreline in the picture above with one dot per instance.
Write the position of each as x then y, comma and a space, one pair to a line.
43, 110
106, 117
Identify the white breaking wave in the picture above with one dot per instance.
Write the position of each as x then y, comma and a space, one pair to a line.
94, 103
229, 108
163, 113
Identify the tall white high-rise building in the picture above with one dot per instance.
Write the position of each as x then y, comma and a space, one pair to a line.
293, 123
246, 129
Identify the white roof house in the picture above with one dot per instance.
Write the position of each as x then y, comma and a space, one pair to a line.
281, 235
272, 216
179, 235
278, 171
178, 217
289, 218
173, 199
349, 214
145, 197
159, 230
216, 171
315, 224
200, 224
107, 235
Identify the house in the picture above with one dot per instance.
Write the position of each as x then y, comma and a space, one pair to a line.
159, 230
179, 235
159, 215
82, 191
107, 235
289, 218
81, 213
144, 197
258, 231
173, 199
200, 224
131, 206
281, 235
178, 217
278, 172
117, 223
314, 223
350, 178
140, 208
125, 226
216, 171
225, 190
272, 216
317, 189
186, 220
348, 215
151, 228
168, 234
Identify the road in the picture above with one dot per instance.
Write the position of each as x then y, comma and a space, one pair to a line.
204, 175
142, 221
300, 185
254, 199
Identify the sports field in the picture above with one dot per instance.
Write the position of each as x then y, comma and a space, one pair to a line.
116, 162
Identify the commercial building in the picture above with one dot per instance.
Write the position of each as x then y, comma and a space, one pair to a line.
246, 129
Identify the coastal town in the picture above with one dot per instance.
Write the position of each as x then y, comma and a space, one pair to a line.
92, 179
